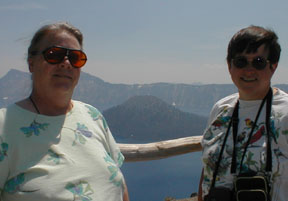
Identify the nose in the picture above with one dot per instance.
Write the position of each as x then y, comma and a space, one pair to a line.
249, 70
65, 63
249, 66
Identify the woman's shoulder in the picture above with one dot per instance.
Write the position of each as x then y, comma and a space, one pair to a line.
223, 104
3, 112
78, 103
6, 113
280, 95
280, 99
228, 101
11, 108
85, 107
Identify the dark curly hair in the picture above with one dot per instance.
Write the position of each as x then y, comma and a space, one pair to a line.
250, 39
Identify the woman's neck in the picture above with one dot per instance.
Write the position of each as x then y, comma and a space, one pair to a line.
51, 106
255, 96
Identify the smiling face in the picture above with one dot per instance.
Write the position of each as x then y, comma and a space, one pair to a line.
53, 79
252, 84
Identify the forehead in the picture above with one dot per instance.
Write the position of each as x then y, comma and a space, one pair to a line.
60, 38
261, 51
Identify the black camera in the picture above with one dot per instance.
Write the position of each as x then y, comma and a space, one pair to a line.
246, 188
251, 188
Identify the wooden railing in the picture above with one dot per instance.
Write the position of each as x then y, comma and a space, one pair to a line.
159, 150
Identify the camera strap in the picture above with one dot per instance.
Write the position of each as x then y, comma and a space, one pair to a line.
222, 150
235, 120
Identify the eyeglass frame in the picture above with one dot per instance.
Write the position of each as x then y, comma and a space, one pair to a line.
66, 55
250, 62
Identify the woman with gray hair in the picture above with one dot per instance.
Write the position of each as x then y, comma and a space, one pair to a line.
53, 147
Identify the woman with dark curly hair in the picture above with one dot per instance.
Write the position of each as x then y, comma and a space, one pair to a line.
245, 145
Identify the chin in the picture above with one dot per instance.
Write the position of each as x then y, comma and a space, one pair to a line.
63, 88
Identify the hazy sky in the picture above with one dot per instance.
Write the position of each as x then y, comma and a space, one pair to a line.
145, 41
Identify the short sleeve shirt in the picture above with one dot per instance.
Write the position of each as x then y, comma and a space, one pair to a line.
67, 157
255, 157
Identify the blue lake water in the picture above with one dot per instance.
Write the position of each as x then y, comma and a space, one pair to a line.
175, 177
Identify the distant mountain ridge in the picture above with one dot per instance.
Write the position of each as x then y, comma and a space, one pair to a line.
147, 117
197, 99
14, 86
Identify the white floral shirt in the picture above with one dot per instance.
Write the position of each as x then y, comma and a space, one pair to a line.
67, 157
255, 158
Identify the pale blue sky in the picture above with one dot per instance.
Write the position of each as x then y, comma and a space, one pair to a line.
145, 41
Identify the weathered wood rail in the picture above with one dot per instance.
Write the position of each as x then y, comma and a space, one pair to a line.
160, 150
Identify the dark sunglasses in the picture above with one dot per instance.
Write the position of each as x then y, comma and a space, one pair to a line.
56, 55
258, 62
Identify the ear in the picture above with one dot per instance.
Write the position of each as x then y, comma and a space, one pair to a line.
273, 67
31, 65
229, 66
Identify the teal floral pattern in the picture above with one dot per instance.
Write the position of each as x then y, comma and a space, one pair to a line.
120, 159
13, 185
113, 169
81, 190
53, 156
105, 125
94, 113
34, 128
80, 134
3, 150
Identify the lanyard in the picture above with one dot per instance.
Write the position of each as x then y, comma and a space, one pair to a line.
235, 120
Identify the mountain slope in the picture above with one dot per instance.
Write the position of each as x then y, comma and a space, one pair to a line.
14, 86
148, 118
